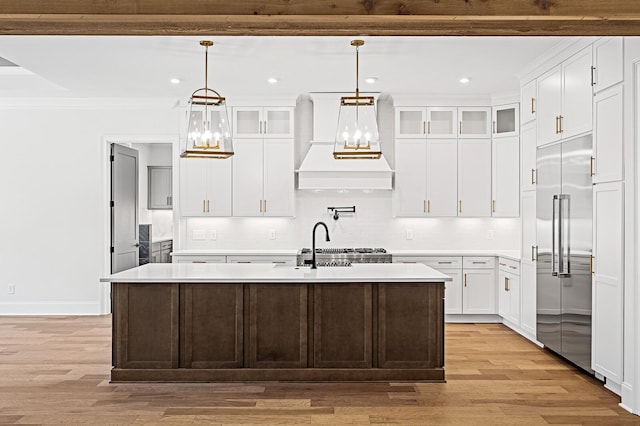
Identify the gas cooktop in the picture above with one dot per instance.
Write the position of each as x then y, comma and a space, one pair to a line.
336, 256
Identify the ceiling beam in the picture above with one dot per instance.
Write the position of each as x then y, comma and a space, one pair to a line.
320, 17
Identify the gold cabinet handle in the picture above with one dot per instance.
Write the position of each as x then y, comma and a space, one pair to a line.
428, 206
533, 108
265, 127
591, 168
593, 77
591, 270
208, 207
460, 131
506, 286
557, 119
428, 127
560, 117
204, 206
533, 176
512, 267
460, 206
533, 253
424, 206
444, 263
265, 206
260, 206
465, 280
479, 262
502, 264
494, 127
493, 206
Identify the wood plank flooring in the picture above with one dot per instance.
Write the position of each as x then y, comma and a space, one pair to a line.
55, 370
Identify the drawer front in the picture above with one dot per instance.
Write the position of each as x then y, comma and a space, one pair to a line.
281, 260
509, 265
436, 262
478, 262
199, 259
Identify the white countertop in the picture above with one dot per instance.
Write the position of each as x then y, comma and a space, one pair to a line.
270, 273
236, 252
511, 254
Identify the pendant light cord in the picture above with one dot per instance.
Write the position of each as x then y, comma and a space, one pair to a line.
357, 72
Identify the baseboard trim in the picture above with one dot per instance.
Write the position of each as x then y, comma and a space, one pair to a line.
479, 318
628, 396
51, 308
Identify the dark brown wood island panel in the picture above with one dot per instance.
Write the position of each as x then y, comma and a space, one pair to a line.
204, 332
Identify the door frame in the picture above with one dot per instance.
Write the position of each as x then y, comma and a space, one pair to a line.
105, 217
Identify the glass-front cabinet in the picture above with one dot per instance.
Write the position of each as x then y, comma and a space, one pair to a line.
474, 122
441, 122
262, 122
411, 122
505, 120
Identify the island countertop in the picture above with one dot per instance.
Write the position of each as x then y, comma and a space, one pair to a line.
270, 273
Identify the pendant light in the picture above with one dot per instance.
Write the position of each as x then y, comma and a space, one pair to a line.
357, 136
208, 132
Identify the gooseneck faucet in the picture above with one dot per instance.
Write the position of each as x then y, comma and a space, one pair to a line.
313, 242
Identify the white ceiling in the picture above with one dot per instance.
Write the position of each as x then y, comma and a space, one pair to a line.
140, 67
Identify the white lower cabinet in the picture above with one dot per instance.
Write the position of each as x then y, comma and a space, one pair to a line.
279, 260
509, 290
607, 293
479, 291
528, 296
198, 258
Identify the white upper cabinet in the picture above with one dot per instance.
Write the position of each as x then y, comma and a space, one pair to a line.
505, 120
505, 181
528, 100
205, 187
528, 167
565, 99
474, 177
263, 179
608, 162
474, 122
442, 122
262, 122
442, 177
411, 122
608, 63
411, 178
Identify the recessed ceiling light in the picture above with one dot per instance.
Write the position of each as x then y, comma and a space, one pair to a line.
465, 80
272, 80
371, 80
175, 81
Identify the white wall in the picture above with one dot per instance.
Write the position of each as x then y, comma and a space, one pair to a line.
51, 174
371, 226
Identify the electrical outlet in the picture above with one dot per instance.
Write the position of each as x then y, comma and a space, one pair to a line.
490, 234
198, 234
213, 234
409, 234
11, 289
272, 234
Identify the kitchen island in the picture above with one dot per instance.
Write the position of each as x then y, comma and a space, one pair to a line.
265, 322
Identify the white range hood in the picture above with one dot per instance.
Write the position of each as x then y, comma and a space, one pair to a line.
319, 170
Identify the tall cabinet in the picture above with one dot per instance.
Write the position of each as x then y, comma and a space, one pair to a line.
263, 176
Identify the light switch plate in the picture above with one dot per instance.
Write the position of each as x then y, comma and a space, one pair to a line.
11, 289
490, 234
198, 234
213, 234
409, 234
272, 234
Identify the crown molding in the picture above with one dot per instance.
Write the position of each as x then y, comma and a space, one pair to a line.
88, 103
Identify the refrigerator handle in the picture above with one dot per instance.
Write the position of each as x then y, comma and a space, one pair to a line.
554, 235
563, 240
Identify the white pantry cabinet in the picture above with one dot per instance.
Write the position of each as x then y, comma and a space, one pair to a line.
529, 255
528, 135
528, 314
263, 177
608, 162
505, 177
528, 100
505, 120
474, 177
411, 122
608, 63
441, 122
607, 264
263, 122
205, 187
509, 290
474, 122
565, 99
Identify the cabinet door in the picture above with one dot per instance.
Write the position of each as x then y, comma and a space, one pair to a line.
528, 142
159, 188
607, 296
248, 176
453, 292
411, 178
442, 122
513, 288
549, 106
278, 122
528, 296
577, 91
528, 100
219, 187
506, 175
528, 248
479, 291
248, 122
608, 62
411, 122
279, 186
504, 297
474, 122
474, 177
505, 120
442, 177
608, 139
193, 186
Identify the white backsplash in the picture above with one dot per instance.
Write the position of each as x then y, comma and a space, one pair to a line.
162, 224
371, 226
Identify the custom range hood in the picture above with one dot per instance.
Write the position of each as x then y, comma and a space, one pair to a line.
319, 170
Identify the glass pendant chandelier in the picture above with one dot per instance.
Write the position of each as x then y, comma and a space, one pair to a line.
357, 136
208, 132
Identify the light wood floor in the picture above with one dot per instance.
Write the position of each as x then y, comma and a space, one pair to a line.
55, 370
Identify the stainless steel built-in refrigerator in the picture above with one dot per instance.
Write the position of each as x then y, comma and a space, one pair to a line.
564, 216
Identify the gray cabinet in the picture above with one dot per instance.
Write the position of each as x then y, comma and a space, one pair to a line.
161, 252
159, 190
